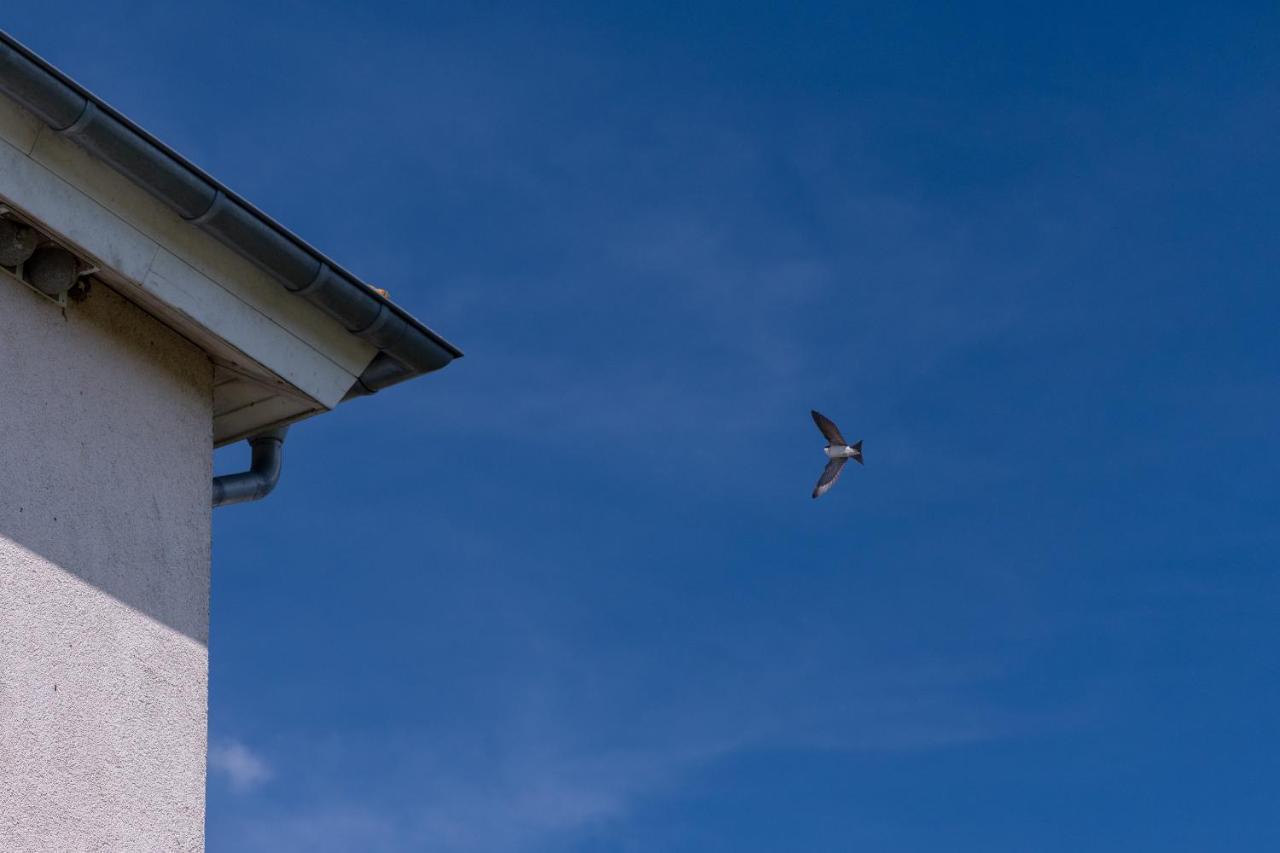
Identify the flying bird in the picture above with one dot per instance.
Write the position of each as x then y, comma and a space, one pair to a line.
838, 452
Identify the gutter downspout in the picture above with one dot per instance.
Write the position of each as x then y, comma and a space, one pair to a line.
263, 473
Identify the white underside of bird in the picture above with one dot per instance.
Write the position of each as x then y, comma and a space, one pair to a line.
838, 452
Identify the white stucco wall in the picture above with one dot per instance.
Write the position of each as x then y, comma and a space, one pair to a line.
105, 455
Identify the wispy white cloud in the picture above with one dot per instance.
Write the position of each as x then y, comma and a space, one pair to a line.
514, 805
332, 829
243, 769
544, 775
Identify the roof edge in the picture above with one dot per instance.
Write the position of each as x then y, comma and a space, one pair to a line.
406, 346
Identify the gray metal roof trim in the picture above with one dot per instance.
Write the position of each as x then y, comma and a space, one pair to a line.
222, 191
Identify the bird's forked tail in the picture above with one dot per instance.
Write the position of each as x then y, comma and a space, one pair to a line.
857, 455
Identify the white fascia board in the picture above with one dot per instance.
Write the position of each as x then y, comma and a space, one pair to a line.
138, 239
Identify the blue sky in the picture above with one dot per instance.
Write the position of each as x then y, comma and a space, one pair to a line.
571, 593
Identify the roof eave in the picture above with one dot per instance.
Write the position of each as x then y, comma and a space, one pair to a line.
406, 347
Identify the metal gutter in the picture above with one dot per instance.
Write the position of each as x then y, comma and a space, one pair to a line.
406, 347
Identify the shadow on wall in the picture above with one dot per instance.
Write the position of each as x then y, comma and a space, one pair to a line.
105, 454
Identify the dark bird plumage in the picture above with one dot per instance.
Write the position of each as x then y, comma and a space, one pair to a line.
838, 452
829, 476
829, 429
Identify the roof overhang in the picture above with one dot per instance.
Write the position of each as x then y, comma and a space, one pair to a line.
291, 333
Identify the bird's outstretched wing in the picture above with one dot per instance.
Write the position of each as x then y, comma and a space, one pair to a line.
829, 429
829, 476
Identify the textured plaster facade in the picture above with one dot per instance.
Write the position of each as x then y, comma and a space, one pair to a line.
105, 455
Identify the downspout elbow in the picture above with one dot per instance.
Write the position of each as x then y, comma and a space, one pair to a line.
262, 476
